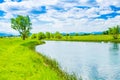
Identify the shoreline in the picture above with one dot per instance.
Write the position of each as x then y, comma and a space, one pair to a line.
54, 65
105, 41
87, 38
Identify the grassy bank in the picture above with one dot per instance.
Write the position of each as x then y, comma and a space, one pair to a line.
19, 61
88, 38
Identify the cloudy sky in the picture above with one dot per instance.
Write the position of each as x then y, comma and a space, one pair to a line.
62, 15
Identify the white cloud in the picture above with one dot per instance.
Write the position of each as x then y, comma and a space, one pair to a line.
73, 19
83, 1
25, 5
6, 27
108, 3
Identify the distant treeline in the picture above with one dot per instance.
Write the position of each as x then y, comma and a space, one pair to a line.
48, 35
58, 35
8, 36
113, 31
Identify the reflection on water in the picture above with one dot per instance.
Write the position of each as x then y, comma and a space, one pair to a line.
114, 53
92, 61
114, 48
94, 74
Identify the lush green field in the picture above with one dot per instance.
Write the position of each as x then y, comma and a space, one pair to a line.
19, 61
89, 38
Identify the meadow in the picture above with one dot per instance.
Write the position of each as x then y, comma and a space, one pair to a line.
88, 38
19, 61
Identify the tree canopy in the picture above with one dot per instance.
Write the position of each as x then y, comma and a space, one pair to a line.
22, 24
115, 30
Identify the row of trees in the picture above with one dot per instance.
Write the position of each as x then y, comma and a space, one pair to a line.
23, 25
115, 31
46, 35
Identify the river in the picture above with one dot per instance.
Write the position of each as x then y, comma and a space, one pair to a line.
90, 60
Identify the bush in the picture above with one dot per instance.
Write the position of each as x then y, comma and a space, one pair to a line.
41, 35
48, 35
58, 35
33, 36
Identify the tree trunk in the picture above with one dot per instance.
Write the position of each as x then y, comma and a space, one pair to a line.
23, 37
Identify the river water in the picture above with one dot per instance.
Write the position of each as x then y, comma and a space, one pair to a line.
90, 60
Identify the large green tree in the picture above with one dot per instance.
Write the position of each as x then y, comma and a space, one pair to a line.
22, 24
114, 31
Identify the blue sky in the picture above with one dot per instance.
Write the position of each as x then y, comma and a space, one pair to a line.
62, 15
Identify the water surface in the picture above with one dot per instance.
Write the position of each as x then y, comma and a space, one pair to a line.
93, 61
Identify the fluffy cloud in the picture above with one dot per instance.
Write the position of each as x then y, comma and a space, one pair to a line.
108, 3
62, 15
5, 27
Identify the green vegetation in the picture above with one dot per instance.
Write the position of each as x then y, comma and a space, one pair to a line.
113, 31
58, 35
89, 38
110, 35
19, 61
33, 36
22, 24
41, 35
48, 35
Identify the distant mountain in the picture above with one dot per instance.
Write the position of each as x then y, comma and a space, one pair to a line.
97, 32
82, 33
5, 34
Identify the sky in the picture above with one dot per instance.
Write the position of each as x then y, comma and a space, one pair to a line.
61, 15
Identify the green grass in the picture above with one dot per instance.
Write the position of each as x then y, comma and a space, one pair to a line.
19, 61
89, 38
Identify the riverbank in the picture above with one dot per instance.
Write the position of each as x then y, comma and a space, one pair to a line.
19, 61
88, 38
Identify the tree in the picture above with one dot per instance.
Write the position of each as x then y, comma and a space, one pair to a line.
48, 35
114, 31
67, 35
52, 35
22, 24
105, 32
58, 35
33, 36
41, 35
76, 34
110, 31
